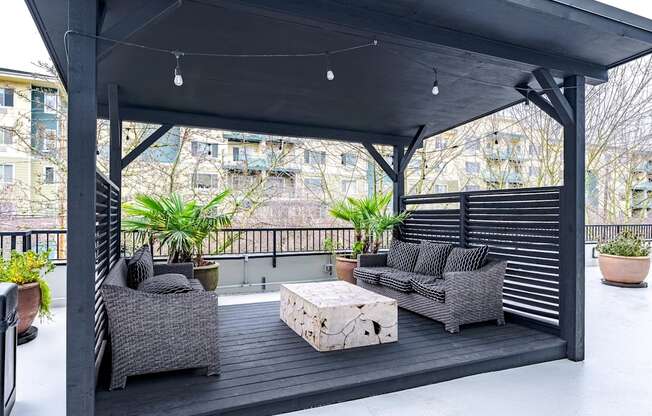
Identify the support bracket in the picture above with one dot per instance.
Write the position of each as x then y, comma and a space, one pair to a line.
557, 100
542, 103
381, 161
415, 144
145, 144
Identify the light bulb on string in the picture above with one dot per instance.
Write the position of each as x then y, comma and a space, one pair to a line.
330, 75
435, 84
178, 78
527, 97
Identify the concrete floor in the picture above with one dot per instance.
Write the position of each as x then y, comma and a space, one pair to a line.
614, 378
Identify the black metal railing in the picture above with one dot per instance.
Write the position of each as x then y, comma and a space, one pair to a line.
226, 243
595, 233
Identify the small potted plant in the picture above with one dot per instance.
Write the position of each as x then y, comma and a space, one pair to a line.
27, 271
370, 220
624, 260
181, 226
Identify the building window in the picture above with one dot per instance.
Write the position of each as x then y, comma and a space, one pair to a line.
441, 189
313, 157
50, 102
348, 187
473, 146
534, 170
349, 159
205, 180
440, 143
6, 97
472, 167
6, 136
532, 149
471, 188
6, 174
48, 174
312, 184
203, 149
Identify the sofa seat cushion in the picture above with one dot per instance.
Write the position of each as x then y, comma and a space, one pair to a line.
466, 259
431, 289
402, 255
165, 284
371, 275
432, 258
397, 280
140, 267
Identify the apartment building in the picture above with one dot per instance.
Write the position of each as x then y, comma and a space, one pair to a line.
30, 148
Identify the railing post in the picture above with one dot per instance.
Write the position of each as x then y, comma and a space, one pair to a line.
12, 242
463, 216
274, 248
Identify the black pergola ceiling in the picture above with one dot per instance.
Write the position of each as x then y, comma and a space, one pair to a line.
380, 94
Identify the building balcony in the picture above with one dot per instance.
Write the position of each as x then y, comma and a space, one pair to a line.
262, 164
512, 178
504, 155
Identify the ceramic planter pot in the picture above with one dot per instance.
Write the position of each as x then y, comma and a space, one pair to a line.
208, 275
29, 300
620, 269
344, 268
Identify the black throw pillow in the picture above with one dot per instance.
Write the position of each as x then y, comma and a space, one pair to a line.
140, 267
402, 255
466, 259
432, 258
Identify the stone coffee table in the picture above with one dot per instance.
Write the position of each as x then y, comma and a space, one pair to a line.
338, 315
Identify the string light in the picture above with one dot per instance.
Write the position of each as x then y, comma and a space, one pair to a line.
178, 78
435, 84
527, 97
330, 75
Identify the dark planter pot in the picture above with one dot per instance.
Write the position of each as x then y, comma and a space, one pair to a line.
29, 300
208, 275
344, 268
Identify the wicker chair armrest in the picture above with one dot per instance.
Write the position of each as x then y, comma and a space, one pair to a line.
153, 332
372, 260
186, 269
477, 289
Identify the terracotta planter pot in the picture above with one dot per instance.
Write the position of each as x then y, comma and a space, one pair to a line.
622, 269
29, 300
344, 268
208, 275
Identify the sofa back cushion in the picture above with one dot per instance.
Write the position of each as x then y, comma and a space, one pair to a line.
118, 274
402, 255
140, 267
432, 258
466, 259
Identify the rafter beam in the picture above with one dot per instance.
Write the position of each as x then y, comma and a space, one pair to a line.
133, 22
145, 144
416, 143
381, 161
556, 96
543, 104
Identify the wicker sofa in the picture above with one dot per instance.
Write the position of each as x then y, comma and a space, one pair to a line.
151, 333
456, 299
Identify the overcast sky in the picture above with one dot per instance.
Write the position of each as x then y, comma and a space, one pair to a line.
25, 47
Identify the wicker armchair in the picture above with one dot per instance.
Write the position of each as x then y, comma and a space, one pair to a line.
469, 297
152, 333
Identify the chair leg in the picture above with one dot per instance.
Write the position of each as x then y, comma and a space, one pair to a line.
452, 328
118, 381
500, 321
213, 371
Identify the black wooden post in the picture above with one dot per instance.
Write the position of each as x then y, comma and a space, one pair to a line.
571, 285
115, 153
82, 121
399, 184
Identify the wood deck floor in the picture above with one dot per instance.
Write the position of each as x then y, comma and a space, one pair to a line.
267, 369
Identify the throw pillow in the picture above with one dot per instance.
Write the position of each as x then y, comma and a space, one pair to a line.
402, 255
140, 267
466, 259
166, 284
432, 258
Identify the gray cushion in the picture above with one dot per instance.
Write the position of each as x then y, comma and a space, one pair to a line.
370, 275
402, 255
165, 284
466, 259
140, 268
397, 280
432, 258
431, 289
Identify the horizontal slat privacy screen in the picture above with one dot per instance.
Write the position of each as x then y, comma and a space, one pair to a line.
519, 225
107, 252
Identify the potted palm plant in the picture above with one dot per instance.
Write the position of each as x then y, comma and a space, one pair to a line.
624, 260
181, 226
27, 271
370, 220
